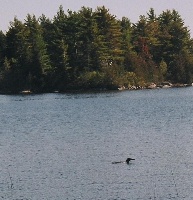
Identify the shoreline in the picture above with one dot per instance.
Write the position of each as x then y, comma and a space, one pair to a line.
149, 87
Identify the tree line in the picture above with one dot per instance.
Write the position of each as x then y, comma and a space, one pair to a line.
94, 50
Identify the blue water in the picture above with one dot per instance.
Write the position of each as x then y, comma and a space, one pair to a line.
61, 146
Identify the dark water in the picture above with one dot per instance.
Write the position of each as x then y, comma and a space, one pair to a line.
60, 146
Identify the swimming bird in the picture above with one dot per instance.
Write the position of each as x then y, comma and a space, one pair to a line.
127, 161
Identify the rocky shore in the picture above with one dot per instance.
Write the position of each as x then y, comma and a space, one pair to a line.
155, 86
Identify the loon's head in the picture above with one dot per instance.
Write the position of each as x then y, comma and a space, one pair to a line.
128, 159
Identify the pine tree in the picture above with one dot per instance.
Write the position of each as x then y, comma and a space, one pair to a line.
38, 59
175, 45
16, 56
2, 48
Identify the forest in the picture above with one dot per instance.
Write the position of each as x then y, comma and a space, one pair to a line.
92, 49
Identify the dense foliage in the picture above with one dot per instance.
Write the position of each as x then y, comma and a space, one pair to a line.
93, 49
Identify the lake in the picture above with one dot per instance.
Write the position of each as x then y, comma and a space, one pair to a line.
61, 146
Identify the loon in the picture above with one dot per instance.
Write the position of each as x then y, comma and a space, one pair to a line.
127, 161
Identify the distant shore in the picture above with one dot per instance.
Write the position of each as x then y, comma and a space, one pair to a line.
121, 88
156, 86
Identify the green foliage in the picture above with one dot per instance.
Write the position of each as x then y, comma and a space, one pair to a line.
93, 49
163, 67
2, 47
92, 79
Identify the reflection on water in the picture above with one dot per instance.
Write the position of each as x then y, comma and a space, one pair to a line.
61, 146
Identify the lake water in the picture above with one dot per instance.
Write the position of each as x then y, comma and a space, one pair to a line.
61, 146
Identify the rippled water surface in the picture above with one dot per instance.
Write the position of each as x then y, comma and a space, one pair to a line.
61, 146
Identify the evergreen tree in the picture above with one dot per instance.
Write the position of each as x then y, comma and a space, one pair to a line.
16, 56
126, 29
38, 59
56, 45
109, 45
174, 40
2, 48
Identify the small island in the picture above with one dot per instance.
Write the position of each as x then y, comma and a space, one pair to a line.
93, 50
